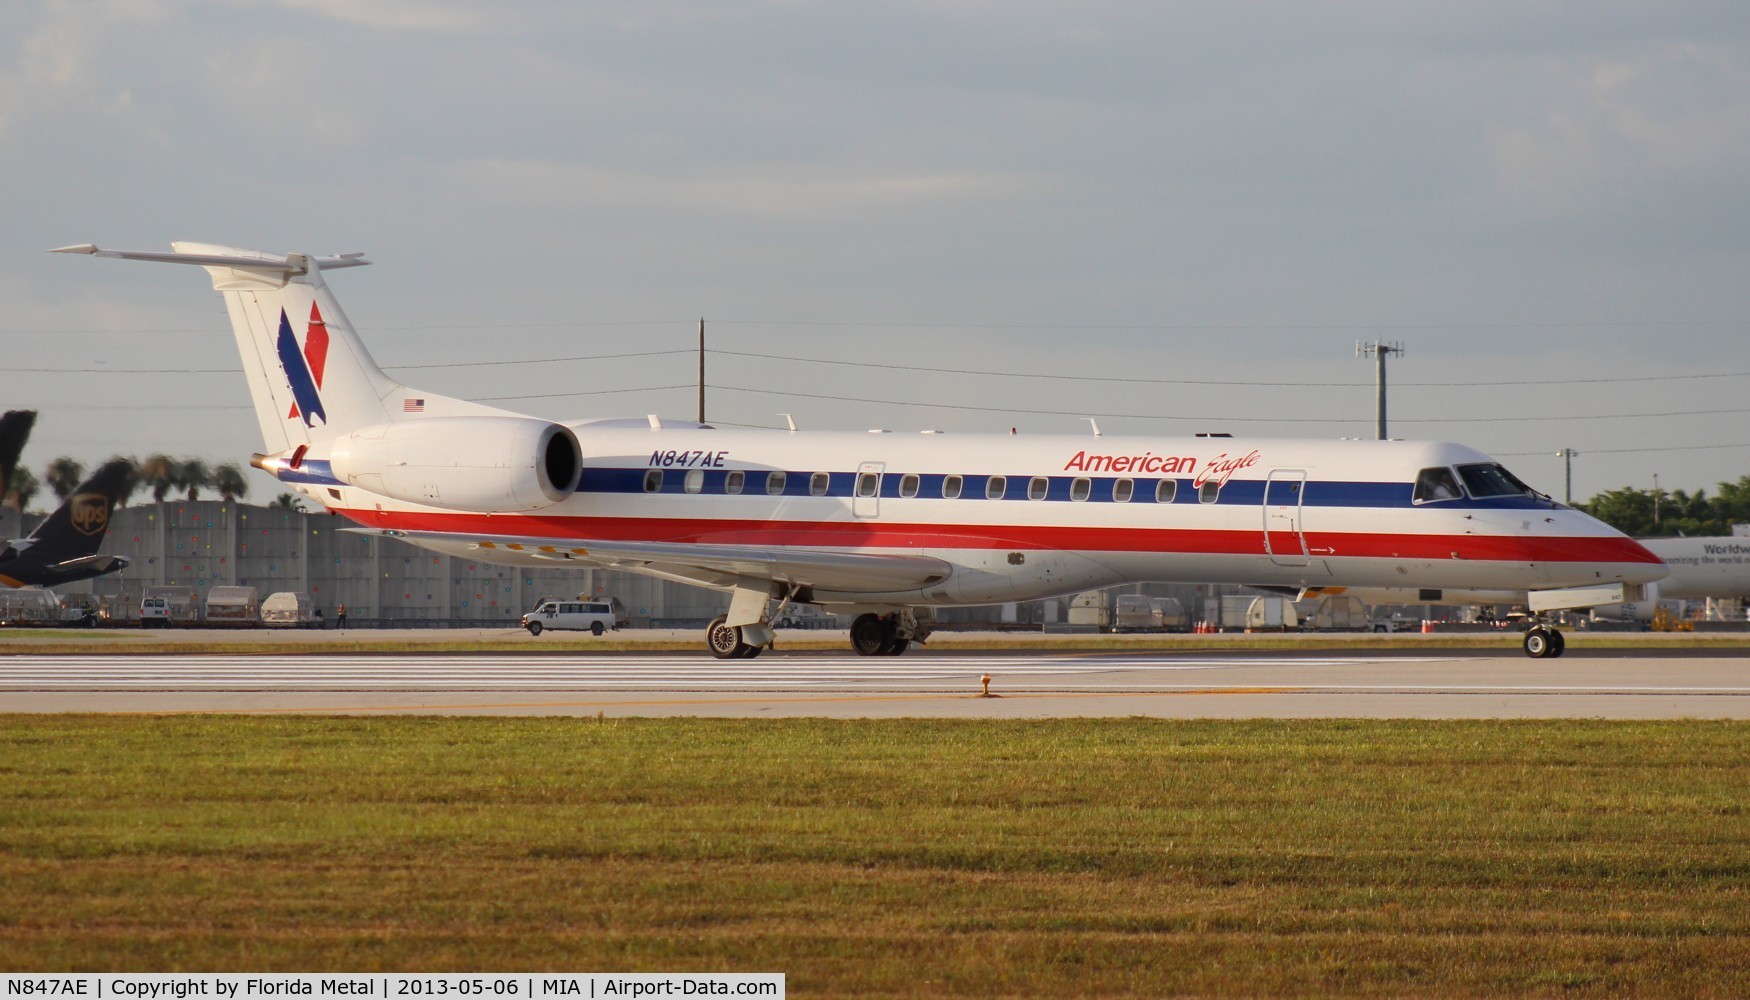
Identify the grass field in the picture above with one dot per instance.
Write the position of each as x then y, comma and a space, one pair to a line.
1065, 858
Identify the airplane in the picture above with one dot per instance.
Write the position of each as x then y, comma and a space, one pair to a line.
64, 548
15, 428
883, 526
1698, 568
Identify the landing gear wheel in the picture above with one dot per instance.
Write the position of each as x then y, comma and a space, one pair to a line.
725, 640
870, 636
1543, 642
899, 646
534, 628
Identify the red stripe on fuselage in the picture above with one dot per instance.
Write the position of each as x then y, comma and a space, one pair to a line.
878, 535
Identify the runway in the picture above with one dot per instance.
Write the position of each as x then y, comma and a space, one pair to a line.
1024, 684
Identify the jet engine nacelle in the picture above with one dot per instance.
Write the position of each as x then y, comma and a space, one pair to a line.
488, 465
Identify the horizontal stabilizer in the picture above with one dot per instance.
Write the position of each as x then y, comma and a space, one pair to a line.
283, 263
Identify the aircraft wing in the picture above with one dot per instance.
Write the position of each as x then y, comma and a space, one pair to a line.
712, 565
100, 564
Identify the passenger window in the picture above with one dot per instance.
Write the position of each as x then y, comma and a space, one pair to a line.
1435, 484
951, 488
818, 483
868, 484
1209, 492
1167, 489
1037, 488
732, 483
995, 487
1079, 489
1121, 491
908, 486
653, 481
695, 480
775, 484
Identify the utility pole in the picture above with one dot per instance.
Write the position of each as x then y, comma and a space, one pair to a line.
1567, 457
1379, 349
701, 369
1656, 496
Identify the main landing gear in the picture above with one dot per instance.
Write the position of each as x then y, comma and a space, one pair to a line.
1543, 641
887, 635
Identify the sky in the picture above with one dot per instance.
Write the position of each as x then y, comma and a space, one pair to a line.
960, 214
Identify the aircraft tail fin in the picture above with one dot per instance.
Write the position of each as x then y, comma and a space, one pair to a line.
15, 428
77, 526
310, 377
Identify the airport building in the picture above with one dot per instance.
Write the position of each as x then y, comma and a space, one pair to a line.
208, 543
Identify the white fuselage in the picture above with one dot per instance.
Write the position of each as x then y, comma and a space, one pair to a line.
1070, 513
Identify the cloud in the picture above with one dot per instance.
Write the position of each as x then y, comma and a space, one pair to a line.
434, 16
1608, 128
797, 194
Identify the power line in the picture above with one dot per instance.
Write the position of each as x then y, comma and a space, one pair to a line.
1216, 382
1288, 418
443, 364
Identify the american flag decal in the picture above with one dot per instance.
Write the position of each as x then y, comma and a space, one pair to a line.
413, 406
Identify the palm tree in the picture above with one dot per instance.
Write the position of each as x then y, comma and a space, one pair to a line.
192, 474
286, 501
133, 483
159, 472
24, 488
64, 475
228, 480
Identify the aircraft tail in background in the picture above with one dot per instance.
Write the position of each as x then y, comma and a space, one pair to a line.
64, 547
15, 428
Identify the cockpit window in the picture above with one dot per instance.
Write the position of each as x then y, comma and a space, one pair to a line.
1436, 484
1493, 481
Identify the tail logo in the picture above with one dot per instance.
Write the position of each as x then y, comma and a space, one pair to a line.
89, 512
304, 366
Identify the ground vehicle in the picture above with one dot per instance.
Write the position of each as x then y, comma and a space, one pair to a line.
1136, 613
234, 606
577, 616
287, 610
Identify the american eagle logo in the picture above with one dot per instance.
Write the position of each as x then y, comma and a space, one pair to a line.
90, 513
304, 366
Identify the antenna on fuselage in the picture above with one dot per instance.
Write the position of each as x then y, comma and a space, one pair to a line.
1379, 349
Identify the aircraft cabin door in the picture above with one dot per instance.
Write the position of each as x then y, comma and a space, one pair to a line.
866, 492
1284, 531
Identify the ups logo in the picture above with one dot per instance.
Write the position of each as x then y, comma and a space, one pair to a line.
90, 512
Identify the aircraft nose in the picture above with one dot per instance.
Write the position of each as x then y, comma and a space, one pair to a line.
1642, 565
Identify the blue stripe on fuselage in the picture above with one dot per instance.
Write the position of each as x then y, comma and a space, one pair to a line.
1241, 492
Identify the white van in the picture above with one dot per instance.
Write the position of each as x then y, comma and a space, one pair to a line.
576, 616
154, 611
